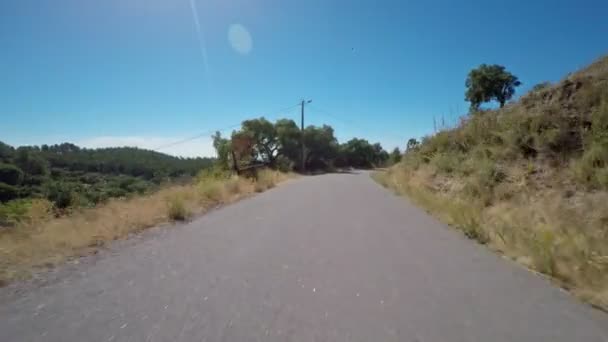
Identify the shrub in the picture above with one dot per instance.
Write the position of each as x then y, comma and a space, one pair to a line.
8, 192
10, 174
445, 162
61, 194
13, 211
284, 164
176, 208
541, 86
25, 210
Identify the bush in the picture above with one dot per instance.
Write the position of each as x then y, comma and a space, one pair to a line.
445, 162
22, 210
10, 174
284, 164
176, 208
8, 192
541, 86
14, 211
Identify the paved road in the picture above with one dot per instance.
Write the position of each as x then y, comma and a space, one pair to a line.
324, 258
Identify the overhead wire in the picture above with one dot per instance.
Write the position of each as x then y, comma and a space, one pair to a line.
207, 133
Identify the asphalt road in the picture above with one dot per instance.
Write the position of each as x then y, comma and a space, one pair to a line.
322, 258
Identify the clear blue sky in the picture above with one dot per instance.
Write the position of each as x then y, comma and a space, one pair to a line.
138, 72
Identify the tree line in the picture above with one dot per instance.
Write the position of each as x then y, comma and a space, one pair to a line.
66, 173
279, 145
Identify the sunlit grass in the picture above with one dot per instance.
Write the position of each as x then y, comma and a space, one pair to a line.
42, 240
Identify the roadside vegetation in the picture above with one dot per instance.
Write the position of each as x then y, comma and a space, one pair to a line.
529, 179
69, 176
41, 239
63, 201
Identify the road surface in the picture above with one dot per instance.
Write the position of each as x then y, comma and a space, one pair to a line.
321, 258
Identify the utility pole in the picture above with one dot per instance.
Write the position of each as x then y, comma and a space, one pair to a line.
303, 165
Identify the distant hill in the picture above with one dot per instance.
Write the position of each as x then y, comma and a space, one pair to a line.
66, 173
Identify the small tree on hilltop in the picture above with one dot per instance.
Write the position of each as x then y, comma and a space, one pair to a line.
490, 82
412, 143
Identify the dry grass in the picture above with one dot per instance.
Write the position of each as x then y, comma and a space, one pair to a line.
562, 236
42, 240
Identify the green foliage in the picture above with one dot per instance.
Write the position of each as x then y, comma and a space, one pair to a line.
68, 175
445, 162
289, 142
592, 168
412, 144
10, 174
361, 154
61, 194
264, 135
14, 211
8, 192
490, 82
279, 146
321, 147
222, 150
541, 86
395, 156
31, 161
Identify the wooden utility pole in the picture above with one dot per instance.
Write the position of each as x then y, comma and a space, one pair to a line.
303, 162
302, 165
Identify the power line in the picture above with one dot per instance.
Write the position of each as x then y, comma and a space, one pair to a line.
200, 135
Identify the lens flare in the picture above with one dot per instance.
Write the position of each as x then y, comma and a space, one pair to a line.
240, 39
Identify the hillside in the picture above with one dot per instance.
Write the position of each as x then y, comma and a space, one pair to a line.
530, 179
68, 175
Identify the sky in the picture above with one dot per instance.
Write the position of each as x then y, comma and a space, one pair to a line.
149, 73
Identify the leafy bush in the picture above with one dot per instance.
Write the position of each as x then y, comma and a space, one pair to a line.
61, 194
284, 164
14, 211
10, 174
8, 192
18, 211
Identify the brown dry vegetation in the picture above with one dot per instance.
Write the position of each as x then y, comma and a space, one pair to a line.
530, 180
42, 240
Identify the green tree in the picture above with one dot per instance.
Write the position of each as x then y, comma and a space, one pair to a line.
6, 152
222, 150
31, 162
490, 82
412, 143
8, 192
265, 138
10, 174
288, 135
395, 156
360, 153
321, 147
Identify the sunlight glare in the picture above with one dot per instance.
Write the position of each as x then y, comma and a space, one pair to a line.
240, 39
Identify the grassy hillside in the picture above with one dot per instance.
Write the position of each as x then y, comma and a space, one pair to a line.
530, 179
69, 176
